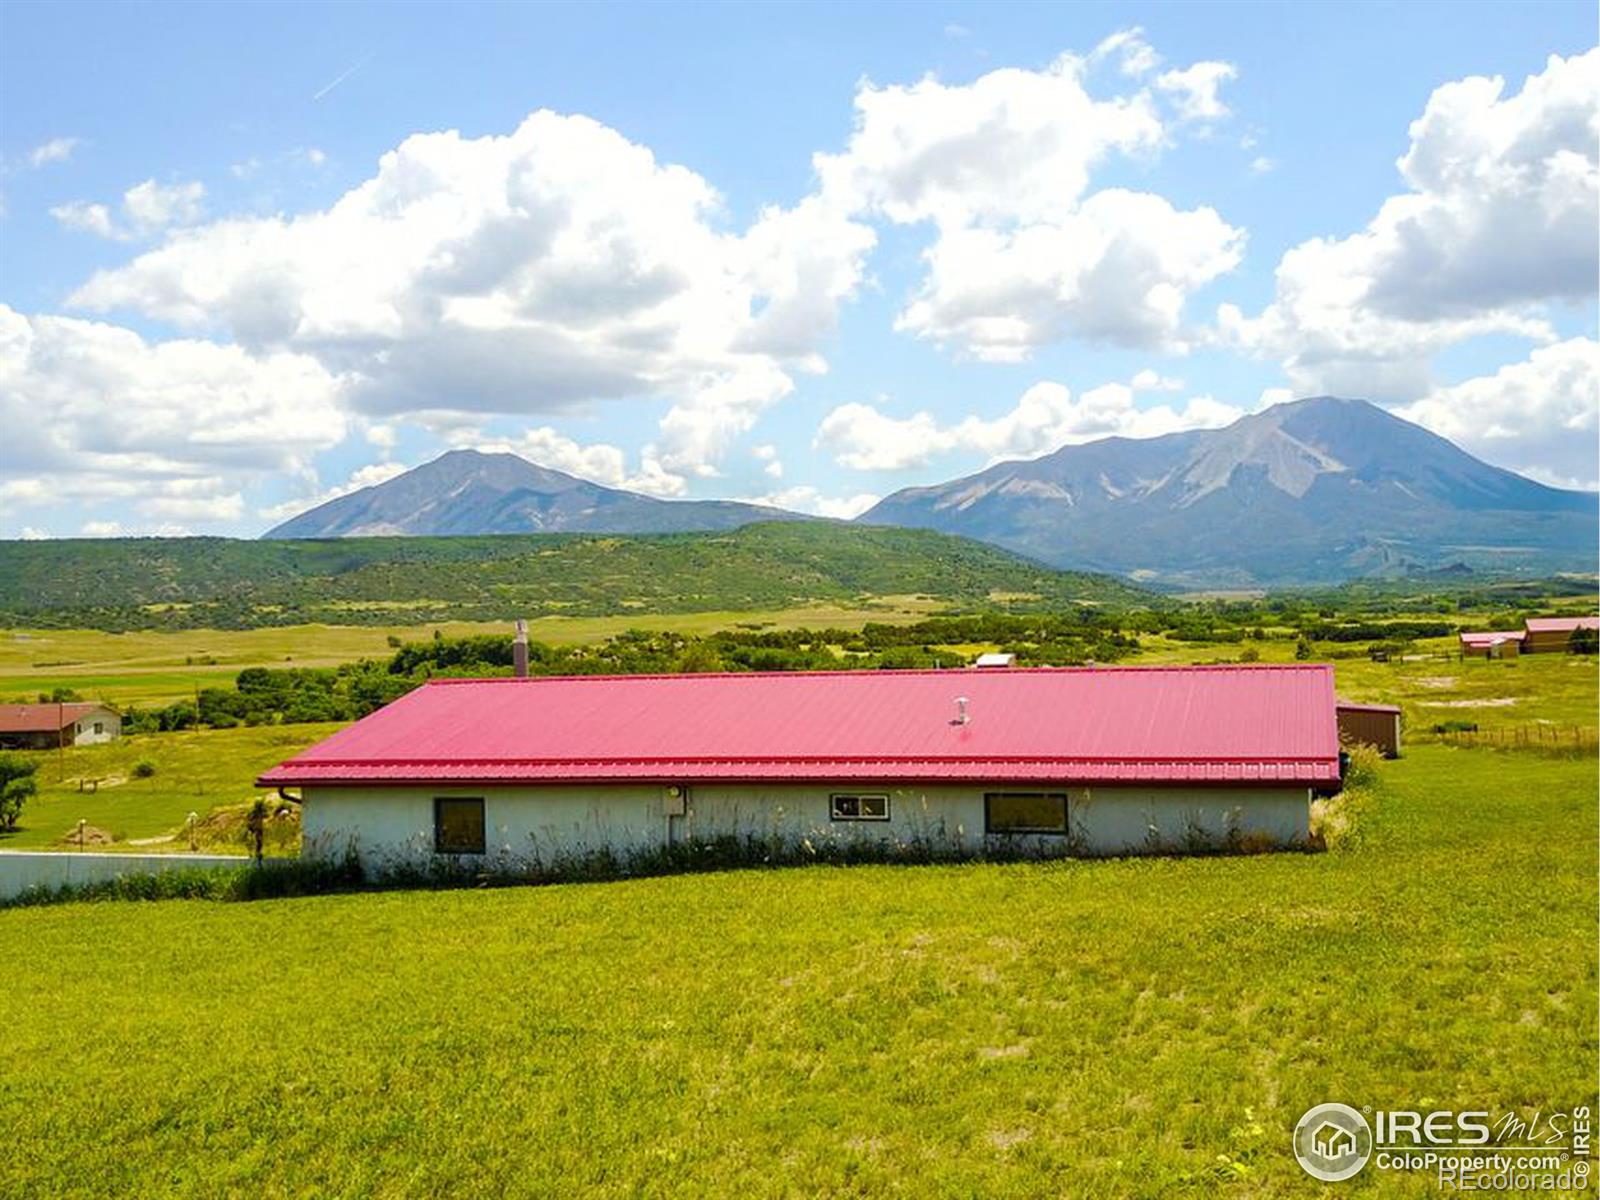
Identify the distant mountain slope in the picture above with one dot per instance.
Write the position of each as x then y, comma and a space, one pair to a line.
1310, 491
469, 492
140, 583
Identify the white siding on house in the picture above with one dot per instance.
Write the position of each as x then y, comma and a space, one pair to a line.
392, 824
101, 725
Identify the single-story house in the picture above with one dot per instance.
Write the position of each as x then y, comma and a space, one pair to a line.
47, 726
1499, 644
1553, 635
1099, 760
1376, 725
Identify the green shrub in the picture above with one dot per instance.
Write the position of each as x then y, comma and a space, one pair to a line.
1362, 768
143, 769
17, 786
272, 879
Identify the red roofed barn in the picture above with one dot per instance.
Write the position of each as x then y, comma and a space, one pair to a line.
1095, 760
1554, 635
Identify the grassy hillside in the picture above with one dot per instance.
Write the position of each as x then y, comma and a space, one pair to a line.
219, 583
1133, 1028
194, 771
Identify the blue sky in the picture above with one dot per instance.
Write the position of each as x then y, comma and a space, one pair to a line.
1033, 225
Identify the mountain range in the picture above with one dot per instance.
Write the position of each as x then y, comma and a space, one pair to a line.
470, 492
1312, 490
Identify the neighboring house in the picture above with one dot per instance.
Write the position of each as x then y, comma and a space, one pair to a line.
47, 726
1376, 725
1544, 635
1503, 644
1052, 760
994, 659
1539, 635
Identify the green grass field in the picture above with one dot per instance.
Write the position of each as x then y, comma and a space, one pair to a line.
146, 667
196, 771
1120, 1028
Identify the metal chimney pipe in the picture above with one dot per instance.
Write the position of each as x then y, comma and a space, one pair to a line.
519, 651
961, 711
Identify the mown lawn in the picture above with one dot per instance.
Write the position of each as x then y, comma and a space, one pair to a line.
1136, 1028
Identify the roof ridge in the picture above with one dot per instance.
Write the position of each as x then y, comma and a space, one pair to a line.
871, 672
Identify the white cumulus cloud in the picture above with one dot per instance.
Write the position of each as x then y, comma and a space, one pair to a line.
362, 477
1540, 417
807, 499
554, 267
1194, 89
1134, 55
1500, 217
170, 428
1047, 416
1024, 253
146, 210
55, 150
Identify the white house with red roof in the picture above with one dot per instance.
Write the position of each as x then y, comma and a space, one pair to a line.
1053, 760
47, 726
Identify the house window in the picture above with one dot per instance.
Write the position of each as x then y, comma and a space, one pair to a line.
99, 726
1025, 812
457, 826
858, 808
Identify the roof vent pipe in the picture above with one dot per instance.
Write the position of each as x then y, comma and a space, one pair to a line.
519, 651
961, 711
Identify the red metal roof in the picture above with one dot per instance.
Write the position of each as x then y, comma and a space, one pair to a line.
43, 718
1560, 624
1222, 724
1492, 638
1352, 706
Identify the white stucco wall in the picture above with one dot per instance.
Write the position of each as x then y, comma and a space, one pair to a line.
83, 733
22, 870
386, 825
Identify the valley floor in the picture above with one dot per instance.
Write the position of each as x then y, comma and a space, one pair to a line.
1124, 1028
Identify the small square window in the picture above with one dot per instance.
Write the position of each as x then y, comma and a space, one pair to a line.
457, 826
1025, 812
859, 808
99, 726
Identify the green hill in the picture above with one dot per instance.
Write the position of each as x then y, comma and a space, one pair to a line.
222, 583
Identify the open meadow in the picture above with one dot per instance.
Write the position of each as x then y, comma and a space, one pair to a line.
194, 771
1114, 1028
152, 667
